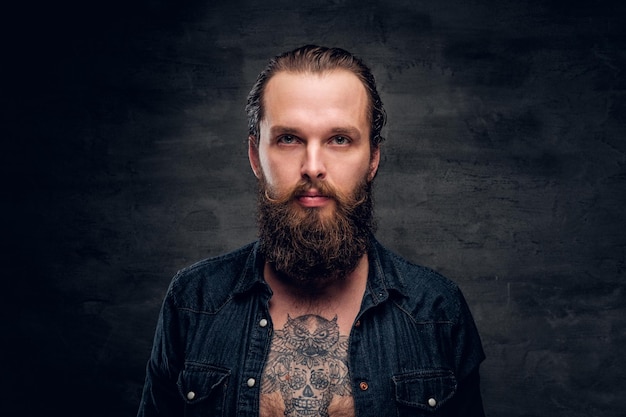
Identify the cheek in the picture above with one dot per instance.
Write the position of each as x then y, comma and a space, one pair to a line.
279, 173
353, 174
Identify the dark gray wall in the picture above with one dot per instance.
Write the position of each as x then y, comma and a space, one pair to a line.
504, 169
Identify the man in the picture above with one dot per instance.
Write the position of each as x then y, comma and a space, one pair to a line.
316, 318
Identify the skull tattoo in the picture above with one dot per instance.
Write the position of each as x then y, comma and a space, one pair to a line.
307, 364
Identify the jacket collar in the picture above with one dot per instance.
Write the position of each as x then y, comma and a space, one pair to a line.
383, 275
252, 272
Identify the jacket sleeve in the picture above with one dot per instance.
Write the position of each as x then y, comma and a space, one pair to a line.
160, 395
469, 354
467, 401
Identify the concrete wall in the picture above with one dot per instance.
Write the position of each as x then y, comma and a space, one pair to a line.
504, 169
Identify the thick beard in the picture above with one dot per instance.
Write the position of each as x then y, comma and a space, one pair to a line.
311, 249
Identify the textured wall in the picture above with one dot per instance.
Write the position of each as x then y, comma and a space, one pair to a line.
504, 169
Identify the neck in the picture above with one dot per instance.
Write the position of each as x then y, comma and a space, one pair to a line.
324, 295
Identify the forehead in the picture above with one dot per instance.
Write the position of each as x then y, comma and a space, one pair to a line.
325, 93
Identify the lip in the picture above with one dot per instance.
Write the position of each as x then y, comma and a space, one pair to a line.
313, 198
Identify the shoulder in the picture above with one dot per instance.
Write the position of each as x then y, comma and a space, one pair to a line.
423, 292
206, 285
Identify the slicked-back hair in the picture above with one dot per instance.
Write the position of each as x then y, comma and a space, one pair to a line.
316, 60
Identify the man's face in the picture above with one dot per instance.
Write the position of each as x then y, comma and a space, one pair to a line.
315, 165
315, 128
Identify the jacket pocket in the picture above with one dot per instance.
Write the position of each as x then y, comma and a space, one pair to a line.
424, 391
203, 389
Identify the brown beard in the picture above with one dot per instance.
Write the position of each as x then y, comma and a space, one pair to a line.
307, 247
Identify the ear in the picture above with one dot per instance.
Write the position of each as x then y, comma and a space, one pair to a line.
374, 161
253, 155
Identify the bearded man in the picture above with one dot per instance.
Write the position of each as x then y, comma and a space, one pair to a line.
316, 318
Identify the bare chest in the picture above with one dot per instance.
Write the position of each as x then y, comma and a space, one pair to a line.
306, 373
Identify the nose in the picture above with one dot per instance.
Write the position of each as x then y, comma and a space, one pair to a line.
313, 166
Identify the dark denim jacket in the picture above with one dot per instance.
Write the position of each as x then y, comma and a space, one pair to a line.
413, 350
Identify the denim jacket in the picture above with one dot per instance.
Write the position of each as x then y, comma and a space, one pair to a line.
413, 349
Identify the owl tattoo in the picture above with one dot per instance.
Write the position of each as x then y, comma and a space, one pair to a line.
307, 364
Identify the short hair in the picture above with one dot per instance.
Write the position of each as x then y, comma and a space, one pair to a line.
317, 59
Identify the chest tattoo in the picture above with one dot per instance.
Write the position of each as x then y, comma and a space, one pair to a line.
307, 365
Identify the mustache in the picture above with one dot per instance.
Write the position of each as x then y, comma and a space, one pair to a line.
322, 187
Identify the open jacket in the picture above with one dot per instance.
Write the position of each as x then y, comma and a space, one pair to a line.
413, 349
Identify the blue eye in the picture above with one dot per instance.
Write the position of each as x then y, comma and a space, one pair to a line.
287, 139
341, 140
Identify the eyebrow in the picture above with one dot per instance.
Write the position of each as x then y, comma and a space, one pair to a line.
348, 130
345, 130
275, 130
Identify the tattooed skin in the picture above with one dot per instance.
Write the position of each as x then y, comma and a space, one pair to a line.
307, 365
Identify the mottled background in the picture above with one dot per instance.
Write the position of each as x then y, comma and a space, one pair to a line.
124, 160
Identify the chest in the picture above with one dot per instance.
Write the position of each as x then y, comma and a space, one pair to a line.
306, 373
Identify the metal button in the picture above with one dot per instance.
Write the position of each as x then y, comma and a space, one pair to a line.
251, 382
263, 322
432, 402
364, 386
191, 395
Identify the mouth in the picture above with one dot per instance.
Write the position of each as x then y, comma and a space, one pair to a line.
313, 198
307, 406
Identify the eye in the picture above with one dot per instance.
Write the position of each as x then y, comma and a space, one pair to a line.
300, 332
340, 140
322, 335
287, 139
